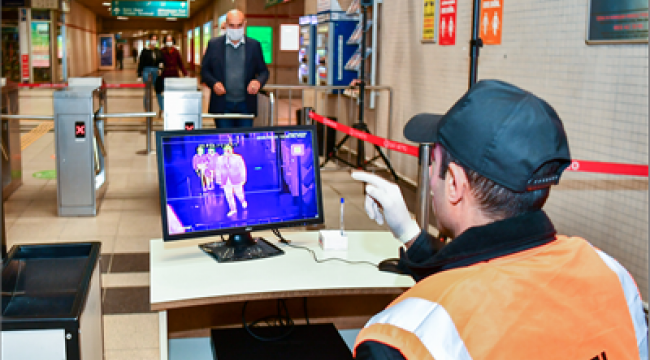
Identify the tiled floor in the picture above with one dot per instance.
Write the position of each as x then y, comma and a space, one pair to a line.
128, 218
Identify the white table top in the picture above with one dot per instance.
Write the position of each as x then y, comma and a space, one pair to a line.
186, 276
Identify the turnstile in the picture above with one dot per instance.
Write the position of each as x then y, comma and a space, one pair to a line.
183, 103
12, 166
81, 171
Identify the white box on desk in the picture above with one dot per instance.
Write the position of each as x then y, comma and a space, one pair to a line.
333, 240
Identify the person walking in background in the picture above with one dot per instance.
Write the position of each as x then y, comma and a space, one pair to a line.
119, 56
134, 54
150, 64
172, 63
234, 70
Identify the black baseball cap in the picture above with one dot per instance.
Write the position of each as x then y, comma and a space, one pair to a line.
500, 131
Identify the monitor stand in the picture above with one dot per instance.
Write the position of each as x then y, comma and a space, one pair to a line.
240, 247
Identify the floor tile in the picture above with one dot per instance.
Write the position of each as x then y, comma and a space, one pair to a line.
130, 262
116, 280
126, 300
132, 354
131, 332
133, 244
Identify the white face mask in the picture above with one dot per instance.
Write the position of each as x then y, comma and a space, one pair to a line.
153, 43
235, 34
169, 43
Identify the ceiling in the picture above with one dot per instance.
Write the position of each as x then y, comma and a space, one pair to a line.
135, 24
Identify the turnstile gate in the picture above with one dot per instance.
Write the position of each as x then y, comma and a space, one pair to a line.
81, 171
183, 103
12, 166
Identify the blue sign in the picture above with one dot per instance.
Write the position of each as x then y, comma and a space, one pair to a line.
176, 9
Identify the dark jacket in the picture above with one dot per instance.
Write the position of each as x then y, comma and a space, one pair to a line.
475, 245
147, 59
214, 66
173, 62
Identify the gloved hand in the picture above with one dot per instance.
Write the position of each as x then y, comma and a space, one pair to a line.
387, 195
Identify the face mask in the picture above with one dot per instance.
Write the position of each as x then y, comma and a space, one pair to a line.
235, 34
169, 43
154, 43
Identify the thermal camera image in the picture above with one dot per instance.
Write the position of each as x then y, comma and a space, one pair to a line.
221, 181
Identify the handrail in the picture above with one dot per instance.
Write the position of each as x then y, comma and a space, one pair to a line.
125, 115
30, 117
228, 116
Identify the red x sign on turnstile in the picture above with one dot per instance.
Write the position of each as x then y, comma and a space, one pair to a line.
189, 126
79, 129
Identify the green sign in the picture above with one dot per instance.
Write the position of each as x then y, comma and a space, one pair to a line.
175, 9
270, 3
41, 44
263, 34
620, 21
45, 174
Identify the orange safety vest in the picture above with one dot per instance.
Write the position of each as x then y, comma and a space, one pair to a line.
561, 300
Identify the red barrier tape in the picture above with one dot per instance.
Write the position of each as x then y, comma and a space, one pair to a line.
108, 86
576, 165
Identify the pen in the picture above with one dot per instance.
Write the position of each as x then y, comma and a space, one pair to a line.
342, 215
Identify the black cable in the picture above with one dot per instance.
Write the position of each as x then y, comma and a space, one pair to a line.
280, 321
276, 232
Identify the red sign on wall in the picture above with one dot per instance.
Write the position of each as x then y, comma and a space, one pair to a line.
25, 66
447, 27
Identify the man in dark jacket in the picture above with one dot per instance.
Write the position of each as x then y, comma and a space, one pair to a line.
234, 70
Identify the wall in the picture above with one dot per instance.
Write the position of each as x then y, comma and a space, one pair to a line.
81, 40
600, 92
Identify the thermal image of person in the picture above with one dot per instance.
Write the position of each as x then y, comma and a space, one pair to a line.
231, 170
212, 166
200, 165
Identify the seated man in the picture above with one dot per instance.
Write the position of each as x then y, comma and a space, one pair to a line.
507, 286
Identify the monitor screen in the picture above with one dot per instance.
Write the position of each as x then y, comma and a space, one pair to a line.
227, 181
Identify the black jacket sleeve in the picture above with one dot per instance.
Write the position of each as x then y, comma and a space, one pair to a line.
371, 350
261, 71
140, 63
208, 76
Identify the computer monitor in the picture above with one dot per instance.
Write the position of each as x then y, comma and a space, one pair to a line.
234, 181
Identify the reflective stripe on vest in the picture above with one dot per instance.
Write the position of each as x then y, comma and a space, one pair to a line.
418, 316
561, 300
634, 303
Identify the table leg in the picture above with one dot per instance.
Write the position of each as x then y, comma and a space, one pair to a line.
164, 340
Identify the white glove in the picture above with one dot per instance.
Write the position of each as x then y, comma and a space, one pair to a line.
387, 195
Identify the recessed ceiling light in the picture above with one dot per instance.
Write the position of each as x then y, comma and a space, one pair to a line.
171, 19
122, 18
106, 4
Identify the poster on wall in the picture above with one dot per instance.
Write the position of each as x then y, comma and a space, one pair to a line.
207, 31
491, 21
106, 51
197, 45
263, 34
429, 22
189, 46
620, 21
448, 25
289, 37
40, 44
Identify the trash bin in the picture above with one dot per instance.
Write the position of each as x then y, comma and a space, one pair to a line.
51, 302
331, 134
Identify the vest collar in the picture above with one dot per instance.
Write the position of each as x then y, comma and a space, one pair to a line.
483, 243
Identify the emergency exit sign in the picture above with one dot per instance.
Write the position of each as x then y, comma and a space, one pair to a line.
175, 9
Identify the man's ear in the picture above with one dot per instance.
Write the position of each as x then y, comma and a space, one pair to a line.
456, 183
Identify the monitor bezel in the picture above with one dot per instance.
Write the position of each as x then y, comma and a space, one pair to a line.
160, 135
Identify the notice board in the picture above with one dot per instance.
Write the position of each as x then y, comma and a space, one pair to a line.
617, 21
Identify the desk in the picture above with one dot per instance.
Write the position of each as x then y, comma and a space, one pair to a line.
191, 290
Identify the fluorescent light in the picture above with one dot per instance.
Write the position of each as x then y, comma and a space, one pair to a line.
171, 19
106, 4
122, 18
